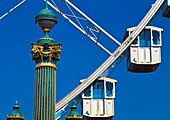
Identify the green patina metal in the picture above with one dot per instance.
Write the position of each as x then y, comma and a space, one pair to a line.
73, 115
45, 52
15, 113
46, 39
46, 14
46, 78
46, 21
46, 49
46, 35
46, 5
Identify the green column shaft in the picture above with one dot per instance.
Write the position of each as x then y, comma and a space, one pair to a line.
45, 93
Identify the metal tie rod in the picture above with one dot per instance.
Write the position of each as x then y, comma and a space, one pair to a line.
91, 21
80, 29
112, 58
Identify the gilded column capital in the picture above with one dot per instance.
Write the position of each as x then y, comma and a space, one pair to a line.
45, 52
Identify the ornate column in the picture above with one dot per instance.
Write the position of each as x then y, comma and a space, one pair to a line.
45, 52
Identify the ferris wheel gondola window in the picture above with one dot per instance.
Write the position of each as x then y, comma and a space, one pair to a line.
145, 38
87, 92
98, 90
109, 89
156, 37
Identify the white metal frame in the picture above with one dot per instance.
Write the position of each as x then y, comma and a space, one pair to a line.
12, 9
92, 31
154, 9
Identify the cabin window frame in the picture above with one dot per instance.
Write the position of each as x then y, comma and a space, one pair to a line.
160, 38
93, 93
145, 35
112, 94
137, 39
91, 88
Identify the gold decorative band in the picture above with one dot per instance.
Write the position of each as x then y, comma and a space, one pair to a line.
17, 116
45, 65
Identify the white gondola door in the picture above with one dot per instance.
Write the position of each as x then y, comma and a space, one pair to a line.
141, 55
144, 55
86, 107
101, 106
98, 107
94, 107
110, 107
147, 55
134, 54
156, 54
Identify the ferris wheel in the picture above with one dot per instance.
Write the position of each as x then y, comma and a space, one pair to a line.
115, 58
93, 32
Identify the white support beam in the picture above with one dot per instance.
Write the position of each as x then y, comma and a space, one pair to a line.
12, 9
91, 21
78, 27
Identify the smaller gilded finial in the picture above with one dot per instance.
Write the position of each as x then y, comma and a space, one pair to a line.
16, 106
73, 115
15, 114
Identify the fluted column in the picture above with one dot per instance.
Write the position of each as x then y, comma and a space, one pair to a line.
45, 95
45, 56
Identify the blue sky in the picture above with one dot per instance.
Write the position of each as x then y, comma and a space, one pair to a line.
143, 96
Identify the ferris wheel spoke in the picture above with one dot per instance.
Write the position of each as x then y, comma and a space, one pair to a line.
5, 14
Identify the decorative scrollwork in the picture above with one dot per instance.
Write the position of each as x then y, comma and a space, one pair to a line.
46, 52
